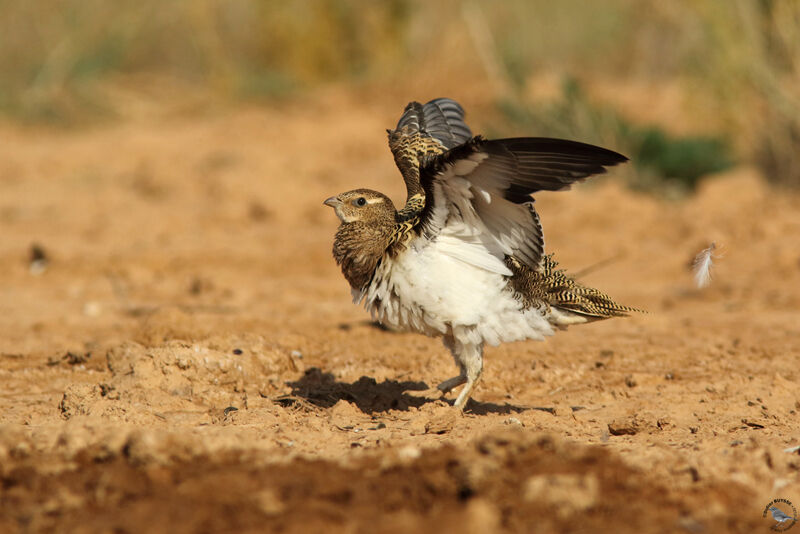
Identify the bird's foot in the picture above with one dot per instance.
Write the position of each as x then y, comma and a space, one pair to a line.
439, 391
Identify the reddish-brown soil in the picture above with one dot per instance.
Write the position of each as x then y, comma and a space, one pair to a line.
187, 358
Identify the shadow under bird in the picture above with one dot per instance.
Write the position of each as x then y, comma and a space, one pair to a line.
464, 259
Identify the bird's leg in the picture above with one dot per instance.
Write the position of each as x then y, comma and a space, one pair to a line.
471, 358
441, 390
447, 386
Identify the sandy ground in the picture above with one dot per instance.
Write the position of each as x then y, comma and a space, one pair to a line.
186, 358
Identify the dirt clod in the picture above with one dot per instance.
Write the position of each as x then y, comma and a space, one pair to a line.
628, 426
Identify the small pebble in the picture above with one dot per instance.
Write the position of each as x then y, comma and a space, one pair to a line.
623, 427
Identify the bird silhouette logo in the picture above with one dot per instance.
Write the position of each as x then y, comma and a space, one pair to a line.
779, 510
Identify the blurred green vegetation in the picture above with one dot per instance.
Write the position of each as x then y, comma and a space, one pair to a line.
739, 60
53, 53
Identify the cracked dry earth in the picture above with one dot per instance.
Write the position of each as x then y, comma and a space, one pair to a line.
180, 353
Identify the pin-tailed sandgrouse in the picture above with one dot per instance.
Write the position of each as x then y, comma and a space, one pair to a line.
464, 259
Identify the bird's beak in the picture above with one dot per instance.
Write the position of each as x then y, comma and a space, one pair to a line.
332, 202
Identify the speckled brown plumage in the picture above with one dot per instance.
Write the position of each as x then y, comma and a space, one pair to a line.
411, 149
359, 245
358, 249
549, 286
423, 132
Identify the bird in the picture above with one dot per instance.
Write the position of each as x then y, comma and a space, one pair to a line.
464, 258
779, 516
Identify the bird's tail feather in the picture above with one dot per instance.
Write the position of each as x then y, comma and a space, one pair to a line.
565, 293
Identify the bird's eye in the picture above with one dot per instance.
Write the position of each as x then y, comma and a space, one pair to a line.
360, 201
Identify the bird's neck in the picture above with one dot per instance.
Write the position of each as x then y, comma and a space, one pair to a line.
359, 247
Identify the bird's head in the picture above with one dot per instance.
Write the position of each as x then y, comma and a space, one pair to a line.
362, 205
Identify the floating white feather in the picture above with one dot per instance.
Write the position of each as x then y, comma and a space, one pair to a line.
702, 265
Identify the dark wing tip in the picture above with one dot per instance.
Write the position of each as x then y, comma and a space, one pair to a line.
564, 148
545, 164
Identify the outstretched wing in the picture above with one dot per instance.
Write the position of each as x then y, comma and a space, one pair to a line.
442, 119
486, 185
423, 132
